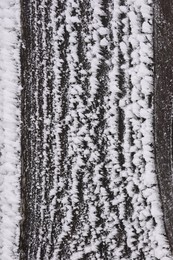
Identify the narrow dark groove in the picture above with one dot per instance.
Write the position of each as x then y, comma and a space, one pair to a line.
163, 91
25, 127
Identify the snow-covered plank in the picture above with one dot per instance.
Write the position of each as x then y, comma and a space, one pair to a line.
89, 186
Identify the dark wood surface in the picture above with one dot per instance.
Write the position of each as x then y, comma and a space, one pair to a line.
163, 112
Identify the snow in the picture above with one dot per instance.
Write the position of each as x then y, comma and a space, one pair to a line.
10, 130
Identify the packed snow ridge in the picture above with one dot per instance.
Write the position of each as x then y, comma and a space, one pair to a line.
9, 130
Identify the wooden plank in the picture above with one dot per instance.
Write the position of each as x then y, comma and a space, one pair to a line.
163, 93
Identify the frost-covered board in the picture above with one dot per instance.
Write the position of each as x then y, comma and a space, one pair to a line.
88, 181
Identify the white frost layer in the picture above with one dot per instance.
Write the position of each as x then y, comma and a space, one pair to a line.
9, 129
139, 116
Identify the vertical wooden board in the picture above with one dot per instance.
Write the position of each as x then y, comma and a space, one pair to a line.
163, 103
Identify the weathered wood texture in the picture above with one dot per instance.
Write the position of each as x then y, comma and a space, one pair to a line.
88, 180
163, 112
